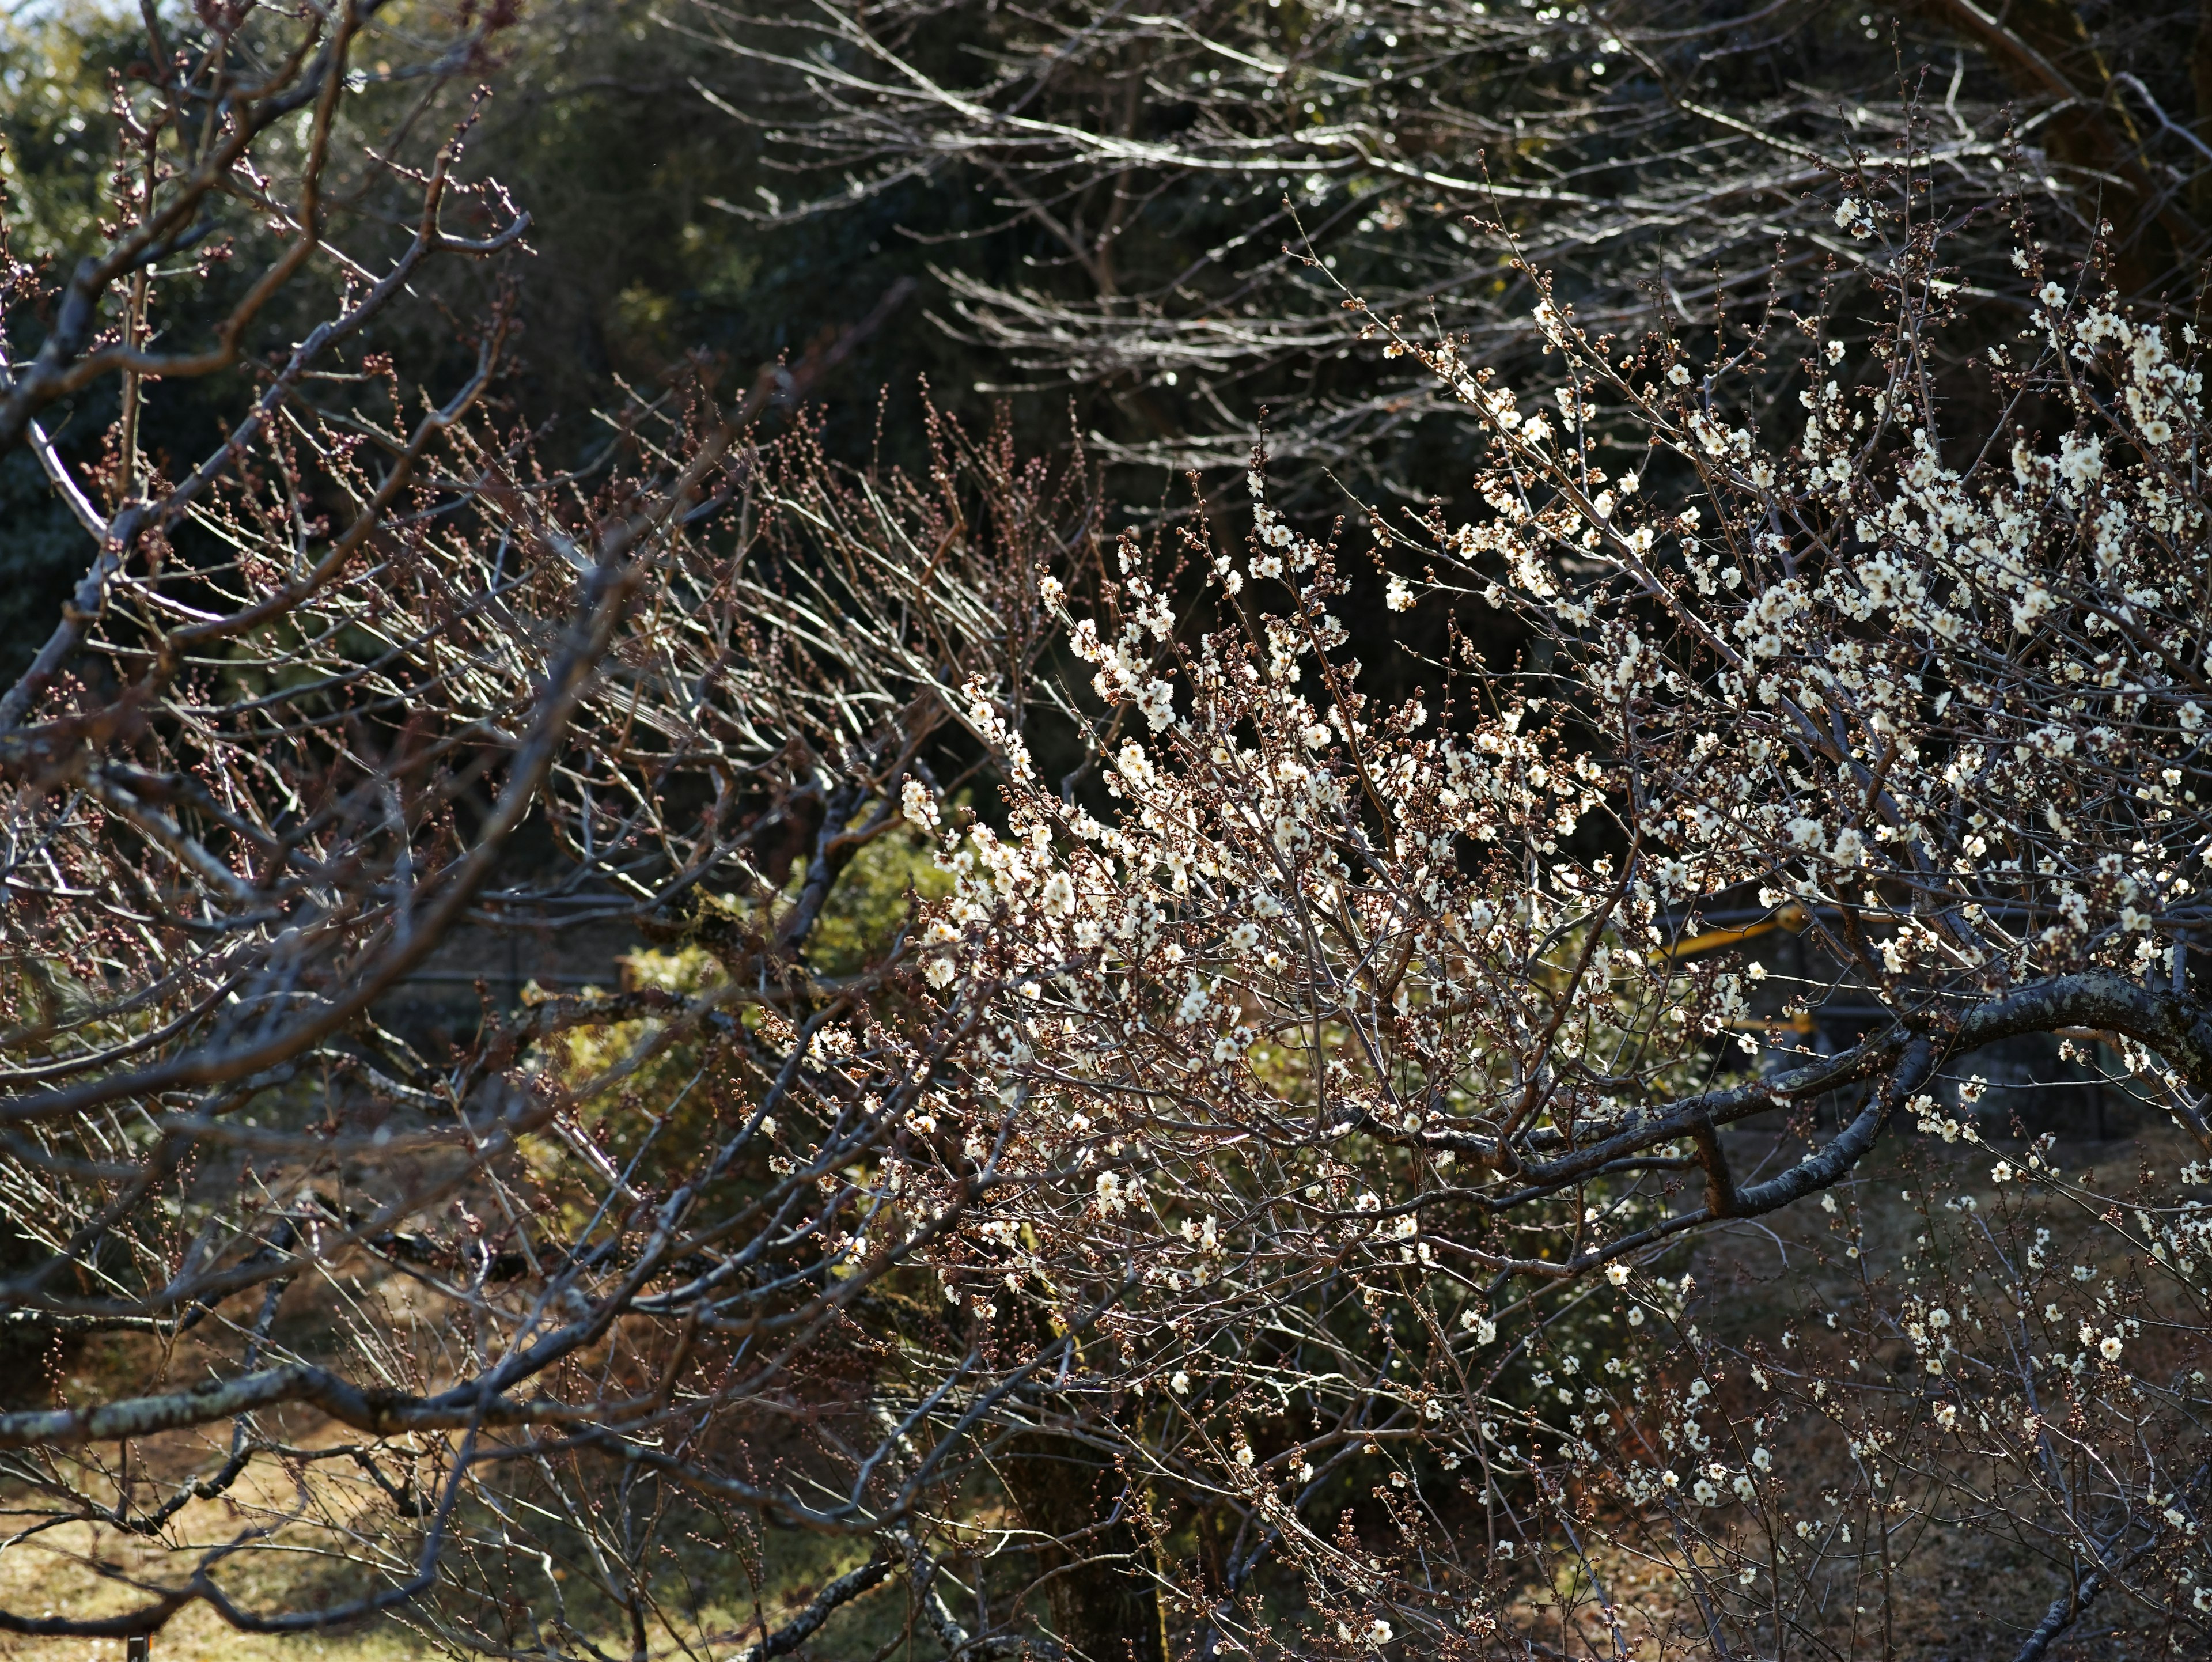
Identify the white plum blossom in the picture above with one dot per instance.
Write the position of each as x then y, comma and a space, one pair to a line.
1373, 1007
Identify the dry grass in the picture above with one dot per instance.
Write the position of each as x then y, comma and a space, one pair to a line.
55, 1576
717, 1590
1957, 1596
58, 1580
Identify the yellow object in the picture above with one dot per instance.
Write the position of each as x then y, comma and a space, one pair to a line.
1801, 1024
1794, 918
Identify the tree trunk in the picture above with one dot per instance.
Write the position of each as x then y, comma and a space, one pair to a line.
1103, 1589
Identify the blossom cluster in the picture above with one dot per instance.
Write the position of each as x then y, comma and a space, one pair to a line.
1388, 1049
